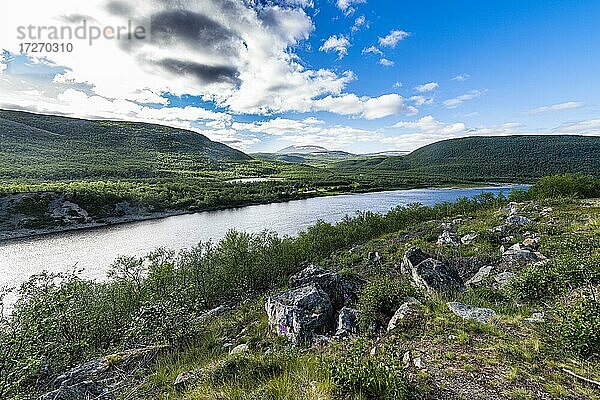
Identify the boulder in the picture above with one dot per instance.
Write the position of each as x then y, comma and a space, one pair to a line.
518, 220
99, 378
502, 279
240, 348
374, 257
298, 313
413, 257
408, 313
338, 289
448, 238
520, 254
347, 322
469, 238
483, 315
531, 243
480, 277
430, 274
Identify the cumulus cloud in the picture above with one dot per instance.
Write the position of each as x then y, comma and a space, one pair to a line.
461, 77
372, 50
336, 44
457, 101
570, 105
347, 5
359, 23
365, 107
386, 63
427, 87
393, 38
420, 100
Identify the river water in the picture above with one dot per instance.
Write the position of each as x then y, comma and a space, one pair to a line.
94, 250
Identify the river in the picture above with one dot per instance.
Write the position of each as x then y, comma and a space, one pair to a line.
95, 249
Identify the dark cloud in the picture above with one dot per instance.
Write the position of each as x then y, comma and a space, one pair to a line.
204, 73
118, 8
194, 30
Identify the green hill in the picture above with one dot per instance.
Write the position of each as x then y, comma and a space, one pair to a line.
508, 158
50, 148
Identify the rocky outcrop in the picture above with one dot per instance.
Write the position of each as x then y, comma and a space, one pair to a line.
469, 238
430, 274
480, 277
299, 313
338, 289
518, 220
99, 378
408, 313
347, 323
448, 238
483, 315
520, 254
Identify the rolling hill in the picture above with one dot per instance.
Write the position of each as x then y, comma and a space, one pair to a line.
506, 159
50, 148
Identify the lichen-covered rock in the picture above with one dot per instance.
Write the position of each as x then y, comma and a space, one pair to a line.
469, 238
240, 348
413, 257
298, 313
520, 254
347, 322
408, 313
483, 315
480, 277
338, 289
448, 238
502, 279
98, 378
518, 220
430, 274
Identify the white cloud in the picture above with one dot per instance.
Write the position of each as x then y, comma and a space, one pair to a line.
427, 130
365, 107
372, 50
2, 63
570, 105
589, 127
398, 85
420, 100
386, 63
457, 101
392, 39
427, 87
359, 23
336, 44
346, 5
461, 77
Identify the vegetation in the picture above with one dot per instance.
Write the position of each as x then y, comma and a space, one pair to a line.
62, 320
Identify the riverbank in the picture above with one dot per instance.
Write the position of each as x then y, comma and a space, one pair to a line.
71, 217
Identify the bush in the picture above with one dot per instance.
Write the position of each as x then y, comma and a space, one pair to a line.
568, 185
534, 283
372, 377
380, 299
579, 324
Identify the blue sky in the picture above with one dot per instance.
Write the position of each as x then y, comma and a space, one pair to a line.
361, 76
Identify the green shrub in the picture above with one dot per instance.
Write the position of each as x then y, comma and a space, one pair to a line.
535, 282
372, 377
568, 185
380, 298
579, 324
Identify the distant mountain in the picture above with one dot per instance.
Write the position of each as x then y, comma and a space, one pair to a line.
506, 158
48, 147
302, 150
390, 153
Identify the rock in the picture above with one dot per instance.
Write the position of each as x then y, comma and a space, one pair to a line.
503, 278
483, 315
240, 348
469, 238
339, 290
418, 362
520, 254
183, 380
215, 312
98, 378
298, 313
448, 238
511, 209
499, 229
536, 318
406, 359
431, 274
408, 313
374, 257
531, 243
479, 278
517, 220
507, 239
347, 322
413, 257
